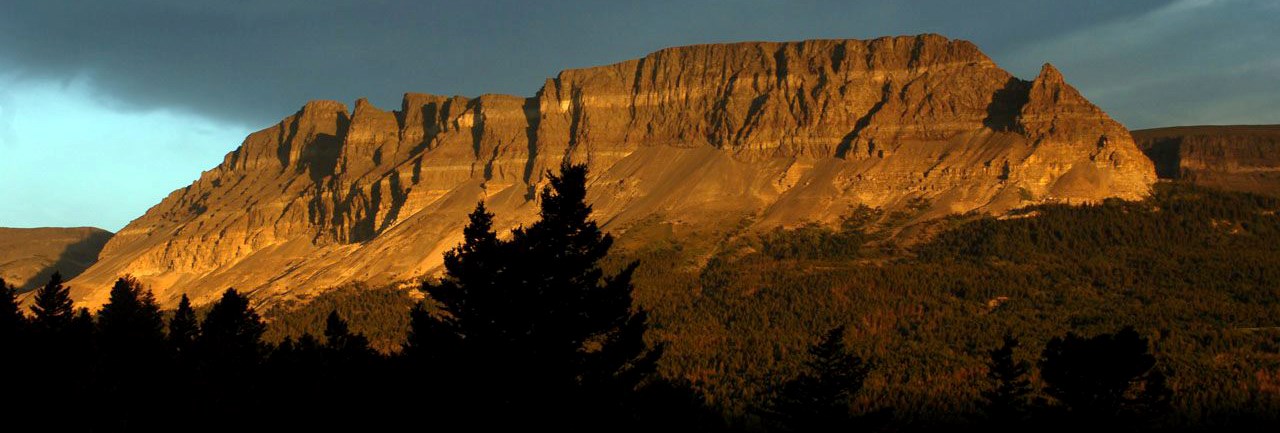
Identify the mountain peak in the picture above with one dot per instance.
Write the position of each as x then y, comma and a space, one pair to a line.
709, 136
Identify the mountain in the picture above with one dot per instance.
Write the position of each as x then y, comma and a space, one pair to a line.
1242, 158
697, 142
29, 256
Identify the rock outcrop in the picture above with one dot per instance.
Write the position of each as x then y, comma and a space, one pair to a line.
1242, 158
761, 134
29, 256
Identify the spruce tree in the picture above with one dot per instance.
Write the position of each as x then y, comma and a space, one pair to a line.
470, 281
1009, 388
183, 383
820, 398
52, 309
60, 347
11, 319
231, 334
231, 355
82, 332
184, 329
1101, 379
130, 324
536, 316
12, 327
343, 346
131, 342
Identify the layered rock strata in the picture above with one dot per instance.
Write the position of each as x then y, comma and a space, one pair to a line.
1237, 158
762, 134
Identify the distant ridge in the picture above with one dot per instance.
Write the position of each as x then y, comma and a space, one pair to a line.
28, 256
1242, 158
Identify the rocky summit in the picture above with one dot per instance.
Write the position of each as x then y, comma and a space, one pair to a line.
747, 135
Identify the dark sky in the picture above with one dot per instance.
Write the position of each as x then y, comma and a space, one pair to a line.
252, 62
170, 86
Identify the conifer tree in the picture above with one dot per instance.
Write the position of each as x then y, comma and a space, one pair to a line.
536, 316
1101, 378
184, 329
231, 334
130, 324
52, 309
1006, 399
82, 332
821, 397
60, 347
12, 326
231, 354
471, 269
344, 347
11, 319
130, 336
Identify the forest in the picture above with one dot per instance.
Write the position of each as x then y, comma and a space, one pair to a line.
1157, 315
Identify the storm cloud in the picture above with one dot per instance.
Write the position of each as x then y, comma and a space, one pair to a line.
1148, 62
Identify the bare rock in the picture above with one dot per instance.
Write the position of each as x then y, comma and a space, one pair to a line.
702, 136
1242, 158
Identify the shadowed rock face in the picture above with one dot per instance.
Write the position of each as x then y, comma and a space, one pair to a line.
29, 256
696, 138
1237, 158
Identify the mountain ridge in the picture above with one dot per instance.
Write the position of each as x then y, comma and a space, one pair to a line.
699, 138
28, 256
1242, 158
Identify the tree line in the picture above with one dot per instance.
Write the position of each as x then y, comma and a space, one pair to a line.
536, 330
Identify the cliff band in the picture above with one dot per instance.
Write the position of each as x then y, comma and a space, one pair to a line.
770, 134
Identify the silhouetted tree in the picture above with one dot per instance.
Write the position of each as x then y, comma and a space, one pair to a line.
182, 382
1101, 378
11, 319
821, 397
231, 353
81, 333
184, 329
299, 381
130, 324
1009, 388
344, 347
535, 316
434, 338
231, 334
12, 326
52, 309
60, 357
132, 352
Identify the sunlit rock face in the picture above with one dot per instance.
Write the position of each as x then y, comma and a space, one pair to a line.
754, 135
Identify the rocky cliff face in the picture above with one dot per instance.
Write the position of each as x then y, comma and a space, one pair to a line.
1237, 158
692, 138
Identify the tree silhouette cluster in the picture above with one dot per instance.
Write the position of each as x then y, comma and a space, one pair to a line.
533, 330
1110, 380
527, 331
821, 397
532, 325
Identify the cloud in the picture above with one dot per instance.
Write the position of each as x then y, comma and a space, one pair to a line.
1190, 62
253, 62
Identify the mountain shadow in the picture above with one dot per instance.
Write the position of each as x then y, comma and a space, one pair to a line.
29, 256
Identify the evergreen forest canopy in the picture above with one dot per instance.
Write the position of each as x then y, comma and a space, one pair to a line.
1157, 315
